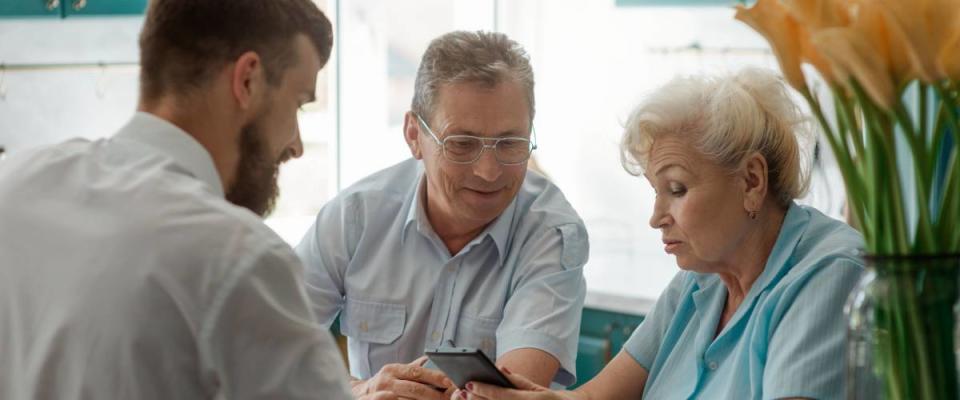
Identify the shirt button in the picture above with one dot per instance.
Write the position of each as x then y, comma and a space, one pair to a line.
435, 336
712, 365
450, 269
363, 326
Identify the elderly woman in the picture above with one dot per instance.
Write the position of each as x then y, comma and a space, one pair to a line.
756, 311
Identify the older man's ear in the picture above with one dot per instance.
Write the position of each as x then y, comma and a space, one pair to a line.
754, 174
411, 133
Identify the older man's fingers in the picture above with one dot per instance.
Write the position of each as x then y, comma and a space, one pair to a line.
382, 395
416, 390
423, 375
420, 361
451, 393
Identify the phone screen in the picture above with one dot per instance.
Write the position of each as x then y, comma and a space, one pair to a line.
468, 365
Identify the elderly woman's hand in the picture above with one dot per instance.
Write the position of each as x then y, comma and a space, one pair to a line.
526, 390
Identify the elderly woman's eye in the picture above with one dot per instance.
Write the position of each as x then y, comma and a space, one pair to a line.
677, 190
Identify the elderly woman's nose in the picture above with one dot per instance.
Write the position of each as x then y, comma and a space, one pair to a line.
659, 218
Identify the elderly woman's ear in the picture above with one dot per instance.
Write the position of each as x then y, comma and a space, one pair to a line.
753, 172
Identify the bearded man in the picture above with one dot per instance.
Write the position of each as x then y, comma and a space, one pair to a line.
138, 267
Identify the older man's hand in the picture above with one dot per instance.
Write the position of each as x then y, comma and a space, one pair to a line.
379, 396
407, 381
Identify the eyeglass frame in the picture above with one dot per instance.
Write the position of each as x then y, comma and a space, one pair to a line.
531, 144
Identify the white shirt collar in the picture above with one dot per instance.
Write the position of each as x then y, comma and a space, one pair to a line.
173, 142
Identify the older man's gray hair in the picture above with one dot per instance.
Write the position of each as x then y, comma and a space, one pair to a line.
486, 58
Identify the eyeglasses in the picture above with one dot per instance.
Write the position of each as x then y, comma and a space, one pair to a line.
466, 149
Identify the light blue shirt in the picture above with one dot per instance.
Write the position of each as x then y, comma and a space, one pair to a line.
372, 257
785, 340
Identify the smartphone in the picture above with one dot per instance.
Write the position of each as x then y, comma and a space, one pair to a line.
465, 365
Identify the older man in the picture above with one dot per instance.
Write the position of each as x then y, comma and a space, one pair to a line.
126, 272
460, 245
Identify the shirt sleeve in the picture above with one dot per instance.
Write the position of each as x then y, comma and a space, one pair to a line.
260, 338
644, 344
805, 357
325, 252
544, 307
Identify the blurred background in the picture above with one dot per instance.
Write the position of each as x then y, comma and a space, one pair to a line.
68, 71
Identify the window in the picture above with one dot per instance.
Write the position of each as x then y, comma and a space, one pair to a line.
378, 51
593, 61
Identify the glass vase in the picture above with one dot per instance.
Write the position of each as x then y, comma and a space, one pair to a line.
902, 330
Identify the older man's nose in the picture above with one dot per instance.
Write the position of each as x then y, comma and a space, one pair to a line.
487, 167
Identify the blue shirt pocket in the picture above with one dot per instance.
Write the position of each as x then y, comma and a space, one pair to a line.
373, 322
575, 248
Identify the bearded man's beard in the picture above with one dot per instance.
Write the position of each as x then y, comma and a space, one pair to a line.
255, 179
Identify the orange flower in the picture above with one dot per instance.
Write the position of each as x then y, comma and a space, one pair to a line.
771, 19
819, 14
928, 26
948, 61
869, 51
813, 16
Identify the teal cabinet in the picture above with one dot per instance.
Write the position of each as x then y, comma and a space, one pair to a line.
30, 8
103, 7
602, 335
69, 8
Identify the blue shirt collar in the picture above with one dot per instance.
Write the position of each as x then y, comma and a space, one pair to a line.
173, 142
498, 230
794, 225
415, 210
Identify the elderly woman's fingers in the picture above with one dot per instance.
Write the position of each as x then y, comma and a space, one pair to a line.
520, 381
482, 391
526, 389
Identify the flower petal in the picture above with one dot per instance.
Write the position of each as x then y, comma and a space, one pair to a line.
925, 24
771, 19
851, 52
948, 61
819, 14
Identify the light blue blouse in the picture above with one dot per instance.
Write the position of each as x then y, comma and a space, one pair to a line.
785, 340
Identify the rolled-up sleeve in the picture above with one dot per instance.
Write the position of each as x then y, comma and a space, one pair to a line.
544, 308
325, 251
805, 357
